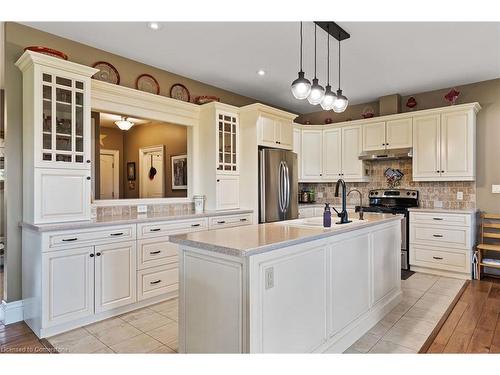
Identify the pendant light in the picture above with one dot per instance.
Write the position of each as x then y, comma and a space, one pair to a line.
341, 101
329, 98
124, 123
301, 87
317, 91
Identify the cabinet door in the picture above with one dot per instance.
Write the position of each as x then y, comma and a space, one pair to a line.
399, 133
457, 145
386, 262
352, 167
312, 155
228, 192
61, 195
426, 148
67, 285
332, 154
374, 136
227, 142
284, 134
115, 275
297, 145
267, 131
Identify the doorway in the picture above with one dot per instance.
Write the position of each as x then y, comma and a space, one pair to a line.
109, 174
151, 172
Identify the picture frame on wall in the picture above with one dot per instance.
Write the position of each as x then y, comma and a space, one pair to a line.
179, 172
131, 171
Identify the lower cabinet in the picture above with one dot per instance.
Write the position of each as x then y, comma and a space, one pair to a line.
228, 192
156, 281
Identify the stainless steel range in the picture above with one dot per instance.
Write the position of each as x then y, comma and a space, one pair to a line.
395, 201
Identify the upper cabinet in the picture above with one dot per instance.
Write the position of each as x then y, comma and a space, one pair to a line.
56, 139
227, 142
275, 132
444, 145
391, 134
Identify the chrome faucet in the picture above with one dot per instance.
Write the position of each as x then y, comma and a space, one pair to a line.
344, 218
360, 211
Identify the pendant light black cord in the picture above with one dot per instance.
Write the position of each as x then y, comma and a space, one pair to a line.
339, 62
328, 57
315, 28
300, 45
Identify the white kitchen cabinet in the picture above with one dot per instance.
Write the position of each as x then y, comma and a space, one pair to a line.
115, 275
228, 192
56, 138
332, 154
275, 132
67, 285
227, 142
387, 256
352, 167
444, 145
297, 147
390, 134
312, 155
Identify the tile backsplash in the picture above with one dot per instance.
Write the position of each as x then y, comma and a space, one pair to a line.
432, 194
131, 210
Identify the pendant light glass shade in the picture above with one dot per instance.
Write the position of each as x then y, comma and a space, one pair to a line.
317, 93
301, 87
340, 103
124, 124
328, 99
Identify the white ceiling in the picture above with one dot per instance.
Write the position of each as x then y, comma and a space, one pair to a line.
107, 120
379, 59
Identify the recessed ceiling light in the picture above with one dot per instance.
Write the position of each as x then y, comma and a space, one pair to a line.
154, 25
261, 72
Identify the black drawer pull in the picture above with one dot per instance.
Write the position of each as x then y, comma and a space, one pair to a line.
437, 235
116, 234
155, 252
221, 222
244, 219
438, 258
155, 282
437, 218
155, 229
195, 225
69, 239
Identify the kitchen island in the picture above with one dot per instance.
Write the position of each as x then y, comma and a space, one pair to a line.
287, 287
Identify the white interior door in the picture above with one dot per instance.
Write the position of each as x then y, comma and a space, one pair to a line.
152, 187
108, 182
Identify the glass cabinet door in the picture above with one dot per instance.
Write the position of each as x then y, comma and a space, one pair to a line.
63, 119
227, 131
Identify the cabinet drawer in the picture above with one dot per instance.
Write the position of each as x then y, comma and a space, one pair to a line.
165, 228
229, 221
156, 252
90, 236
156, 281
440, 258
440, 236
440, 219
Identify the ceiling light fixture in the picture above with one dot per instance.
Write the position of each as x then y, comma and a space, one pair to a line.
301, 87
261, 72
154, 25
329, 97
317, 91
124, 123
341, 102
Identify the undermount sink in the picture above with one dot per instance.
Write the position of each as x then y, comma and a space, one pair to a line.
317, 222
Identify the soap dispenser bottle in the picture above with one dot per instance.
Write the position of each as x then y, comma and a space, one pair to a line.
327, 216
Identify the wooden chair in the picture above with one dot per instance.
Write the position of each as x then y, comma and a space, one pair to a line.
489, 241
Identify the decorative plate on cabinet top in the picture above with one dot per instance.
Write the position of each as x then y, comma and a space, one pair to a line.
147, 83
47, 51
179, 92
106, 73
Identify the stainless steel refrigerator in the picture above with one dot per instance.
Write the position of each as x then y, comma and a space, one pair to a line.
278, 181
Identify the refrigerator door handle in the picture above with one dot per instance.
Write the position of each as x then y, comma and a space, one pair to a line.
262, 187
282, 187
287, 186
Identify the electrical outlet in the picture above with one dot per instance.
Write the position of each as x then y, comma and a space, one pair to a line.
319, 194
495, 189
142, 208
460, 195
269, 276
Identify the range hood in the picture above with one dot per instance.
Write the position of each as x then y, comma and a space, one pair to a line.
397, 153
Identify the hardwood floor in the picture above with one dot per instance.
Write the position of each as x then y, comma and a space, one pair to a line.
17, 338
473, 325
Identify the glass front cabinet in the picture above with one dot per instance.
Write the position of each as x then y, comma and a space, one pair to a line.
227, 143
56, 138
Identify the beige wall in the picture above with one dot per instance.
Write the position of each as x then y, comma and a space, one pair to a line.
17, 37
487, 93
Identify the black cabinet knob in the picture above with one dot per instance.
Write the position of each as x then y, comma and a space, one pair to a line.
91, 255
88, 161
98, 254
88, 178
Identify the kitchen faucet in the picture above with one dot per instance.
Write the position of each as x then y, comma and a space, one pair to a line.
360, 211
344, 218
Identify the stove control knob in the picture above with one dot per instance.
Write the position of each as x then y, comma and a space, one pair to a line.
413, 193
407, 193
376, 193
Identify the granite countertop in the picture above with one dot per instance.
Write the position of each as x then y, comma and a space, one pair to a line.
255, 239
444, 210
129, 219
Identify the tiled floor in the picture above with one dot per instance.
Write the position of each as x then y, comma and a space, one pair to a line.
409, 324
149, 330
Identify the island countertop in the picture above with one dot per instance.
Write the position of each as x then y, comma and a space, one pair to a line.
259, 238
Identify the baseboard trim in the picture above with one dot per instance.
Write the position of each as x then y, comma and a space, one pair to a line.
11, 312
